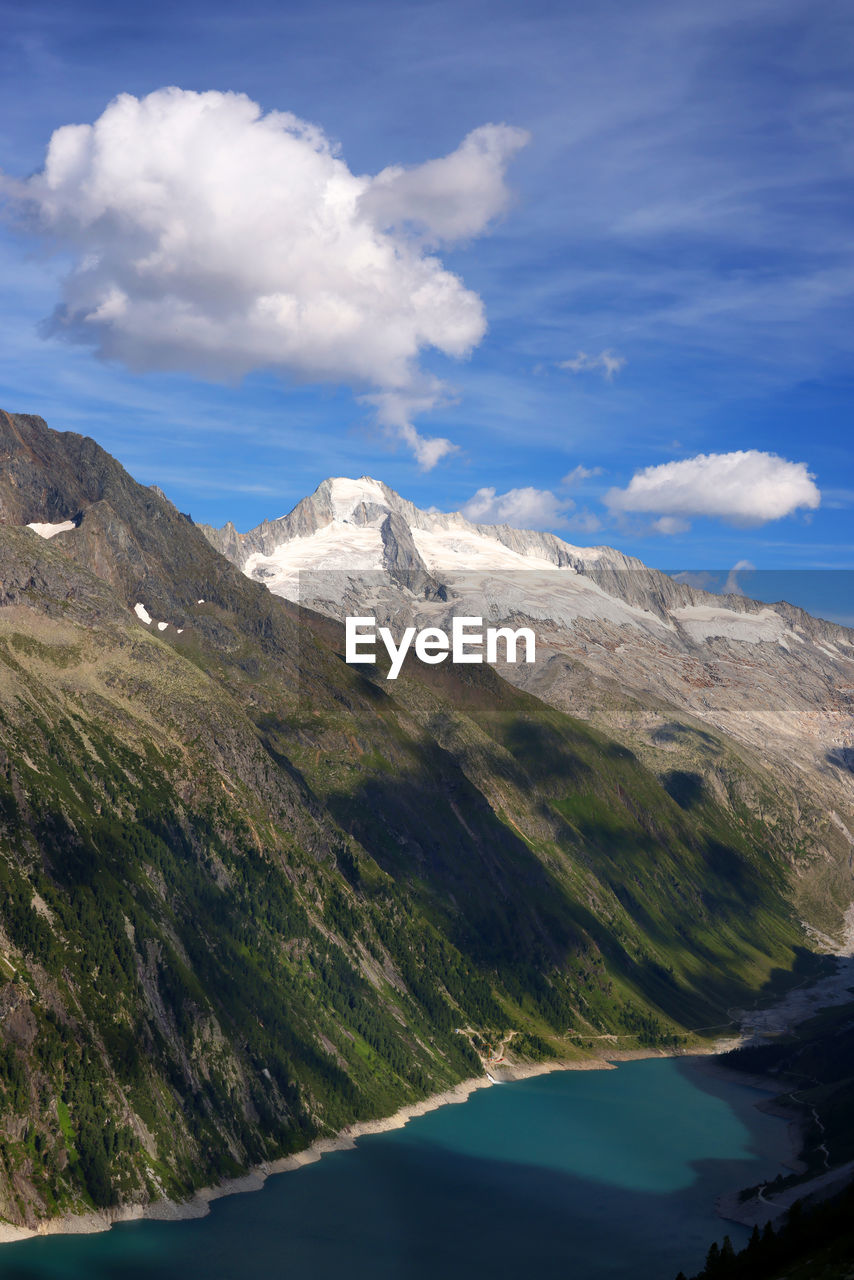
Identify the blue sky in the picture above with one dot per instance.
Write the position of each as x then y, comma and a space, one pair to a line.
682, 203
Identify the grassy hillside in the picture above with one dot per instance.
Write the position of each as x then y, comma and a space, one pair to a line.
249, 896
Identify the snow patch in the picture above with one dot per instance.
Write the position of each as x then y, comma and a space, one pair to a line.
344, 547
702, 621
514, 582
464, 550
51, 530
346, 495
144, 616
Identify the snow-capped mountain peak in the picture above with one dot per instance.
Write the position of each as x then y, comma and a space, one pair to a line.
355, 546
437, 541
347, 495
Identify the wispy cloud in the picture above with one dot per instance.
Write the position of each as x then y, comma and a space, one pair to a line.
732, 587
579, 474
670, 525
838, 499
525, 508
584, 521
608, 363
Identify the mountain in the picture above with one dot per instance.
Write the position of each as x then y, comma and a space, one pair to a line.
251, 894
648, 659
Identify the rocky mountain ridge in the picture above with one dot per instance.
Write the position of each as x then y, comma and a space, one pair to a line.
454, 545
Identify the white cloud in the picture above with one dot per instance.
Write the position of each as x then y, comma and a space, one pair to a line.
838, 499
584, 521
703, 580
526, 508
578, 474
732, 587
452, 198
608, 363
746, 487
395, 411
212, 239
670, 525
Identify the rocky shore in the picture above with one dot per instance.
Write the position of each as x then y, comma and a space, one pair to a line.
198, 1205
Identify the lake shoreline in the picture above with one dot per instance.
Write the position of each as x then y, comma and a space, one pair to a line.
198, 1204
797, 1005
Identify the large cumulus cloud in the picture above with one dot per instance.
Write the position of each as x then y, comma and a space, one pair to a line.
211, 238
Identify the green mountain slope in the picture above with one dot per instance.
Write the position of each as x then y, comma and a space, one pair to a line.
250, 895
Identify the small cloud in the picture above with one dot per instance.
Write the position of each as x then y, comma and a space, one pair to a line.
838, 499
701, 579
608, 363
427, 450
526, 508
579, 474
670, 525
731, 587
746, 487
584, 521
395, 411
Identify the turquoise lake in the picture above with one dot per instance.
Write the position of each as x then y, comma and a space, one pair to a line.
580, 1175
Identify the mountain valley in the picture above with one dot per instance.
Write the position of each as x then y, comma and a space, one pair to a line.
252, 895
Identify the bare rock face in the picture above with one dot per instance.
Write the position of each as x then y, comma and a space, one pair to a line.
128, 536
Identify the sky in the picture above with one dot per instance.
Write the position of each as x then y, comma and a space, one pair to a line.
585, 267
